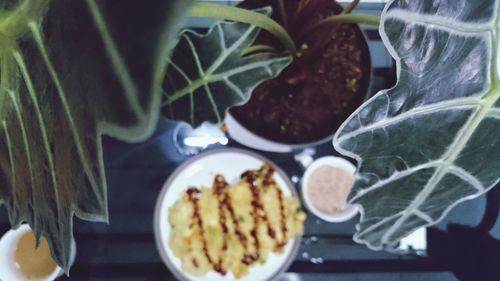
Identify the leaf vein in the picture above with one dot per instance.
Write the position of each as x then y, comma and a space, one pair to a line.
116, 59
212, 102
449, 157
40, 120
65, 105
235, 88
379, 223
439, 22
464, 103
24, 134
423, 216
467, 177
11, 154
395, 176
224, 54
195, 55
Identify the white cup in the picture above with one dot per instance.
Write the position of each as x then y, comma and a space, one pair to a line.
8, 270
343, 215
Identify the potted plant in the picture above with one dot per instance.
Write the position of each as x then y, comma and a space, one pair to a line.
328, 79
430, 142
70, 71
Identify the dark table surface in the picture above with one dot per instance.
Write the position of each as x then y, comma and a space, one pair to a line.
125, 249
466, 246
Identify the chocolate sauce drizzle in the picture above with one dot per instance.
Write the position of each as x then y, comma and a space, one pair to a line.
221, 191
194, 196
280, 245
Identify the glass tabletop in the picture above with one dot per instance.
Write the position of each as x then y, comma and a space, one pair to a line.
125, 249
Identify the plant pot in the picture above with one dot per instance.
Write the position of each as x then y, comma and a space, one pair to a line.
310, 99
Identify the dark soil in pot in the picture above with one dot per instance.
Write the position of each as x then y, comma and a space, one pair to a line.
320, 89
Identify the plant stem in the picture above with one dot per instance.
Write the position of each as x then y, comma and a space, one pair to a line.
258, 48
350, 18
242, 15
342, 18
282, 11
348, 9
332, 22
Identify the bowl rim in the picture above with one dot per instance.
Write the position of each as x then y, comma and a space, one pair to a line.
156, 218
13, 236
350, 211
241, 134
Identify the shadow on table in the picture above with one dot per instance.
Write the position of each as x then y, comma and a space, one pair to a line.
135, 174
472, 253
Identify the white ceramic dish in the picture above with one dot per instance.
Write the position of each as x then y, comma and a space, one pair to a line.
248, 138
350, 211
200, 171
8, 271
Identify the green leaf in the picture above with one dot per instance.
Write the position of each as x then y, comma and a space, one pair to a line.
433, 140
71, 71
223, 12
208, 74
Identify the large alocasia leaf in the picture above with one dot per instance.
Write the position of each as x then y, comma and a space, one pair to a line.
207, 73
433, 140
69, 72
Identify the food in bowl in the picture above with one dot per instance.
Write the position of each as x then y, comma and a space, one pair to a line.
328, 188
229, 229
313, 96
32, 260
326, 185
20, 260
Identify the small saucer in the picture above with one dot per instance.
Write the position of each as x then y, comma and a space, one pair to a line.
346, 214
8, 271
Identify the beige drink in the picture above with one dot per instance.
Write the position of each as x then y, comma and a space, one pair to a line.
33, 263
328, 188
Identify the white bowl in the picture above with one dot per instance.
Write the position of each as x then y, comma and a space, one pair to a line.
350, 211
248, 138
200, 171
8, 271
